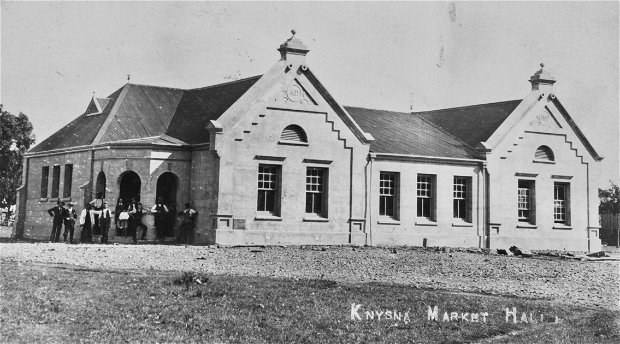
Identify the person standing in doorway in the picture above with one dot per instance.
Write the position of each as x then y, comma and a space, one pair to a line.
121, 216
136, 219
95, 213
86, 234
70, 223
131, 209
58, 214
106, 219
186, 230
160, 210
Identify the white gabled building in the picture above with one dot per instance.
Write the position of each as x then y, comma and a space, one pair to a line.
276, 159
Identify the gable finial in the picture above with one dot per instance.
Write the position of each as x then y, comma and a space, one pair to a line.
128, 77
542, 79
293, 49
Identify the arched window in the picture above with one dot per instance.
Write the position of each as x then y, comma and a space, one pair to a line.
293, 133
544, 153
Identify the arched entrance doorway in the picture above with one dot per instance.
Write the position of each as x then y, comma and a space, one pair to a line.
129, 186
167, 185
101, 184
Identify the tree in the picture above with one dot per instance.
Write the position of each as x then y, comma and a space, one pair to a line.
15, 139
610, 199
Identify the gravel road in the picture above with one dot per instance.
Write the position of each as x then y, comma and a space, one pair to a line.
592, 284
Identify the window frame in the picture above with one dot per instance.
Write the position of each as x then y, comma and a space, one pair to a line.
530, 186
392, 195
321, 193
429, 197
55, 181
566, 221
464, 202
275, 190
68, 181
45, 177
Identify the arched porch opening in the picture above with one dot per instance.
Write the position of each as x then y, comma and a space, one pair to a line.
167, 186
100, 185
129, 185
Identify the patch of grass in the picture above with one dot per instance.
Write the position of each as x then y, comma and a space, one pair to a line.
46, 304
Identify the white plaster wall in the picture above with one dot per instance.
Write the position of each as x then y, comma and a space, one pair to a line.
409, 230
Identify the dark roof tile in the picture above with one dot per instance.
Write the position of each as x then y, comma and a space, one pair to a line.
471, 124
404, 133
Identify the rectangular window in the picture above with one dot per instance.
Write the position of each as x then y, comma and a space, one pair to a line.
461, 205
45, 176
268, 189
316, 191
526, 201
55, 181
425, 193
387, 194
561, 203
66, 186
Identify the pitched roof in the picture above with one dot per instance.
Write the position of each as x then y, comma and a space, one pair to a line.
471, 124
143, 112
79, 132
405, 133
139, 111
199, 106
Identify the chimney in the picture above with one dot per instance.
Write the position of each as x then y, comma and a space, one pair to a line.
293, 50
542, 80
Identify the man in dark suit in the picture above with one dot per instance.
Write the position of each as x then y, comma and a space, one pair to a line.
58, 214
70, 222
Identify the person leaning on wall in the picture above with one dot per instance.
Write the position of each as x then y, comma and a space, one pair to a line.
186, 229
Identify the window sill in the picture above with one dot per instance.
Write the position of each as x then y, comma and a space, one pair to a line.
267, 218
543, 162
66, 199
43, 199
425, 222
561, 226
388, 221
315, 219
458, 223
292, 143
526, 225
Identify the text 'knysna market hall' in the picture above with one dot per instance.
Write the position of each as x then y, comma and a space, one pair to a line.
275, 159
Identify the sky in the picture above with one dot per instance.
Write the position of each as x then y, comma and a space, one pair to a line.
385, 55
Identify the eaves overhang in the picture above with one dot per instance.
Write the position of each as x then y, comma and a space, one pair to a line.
424, 159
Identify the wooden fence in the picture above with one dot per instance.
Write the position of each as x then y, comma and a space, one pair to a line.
609, 229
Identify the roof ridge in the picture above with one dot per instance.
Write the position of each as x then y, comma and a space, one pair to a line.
473, 150
443, 109
144, 85
225, 83
468, 106
365, 108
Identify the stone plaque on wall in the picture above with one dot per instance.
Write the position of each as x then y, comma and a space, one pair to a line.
238, 223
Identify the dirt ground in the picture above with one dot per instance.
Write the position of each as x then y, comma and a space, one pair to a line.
591, 284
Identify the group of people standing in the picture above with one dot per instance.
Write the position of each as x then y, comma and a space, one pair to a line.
96, 219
